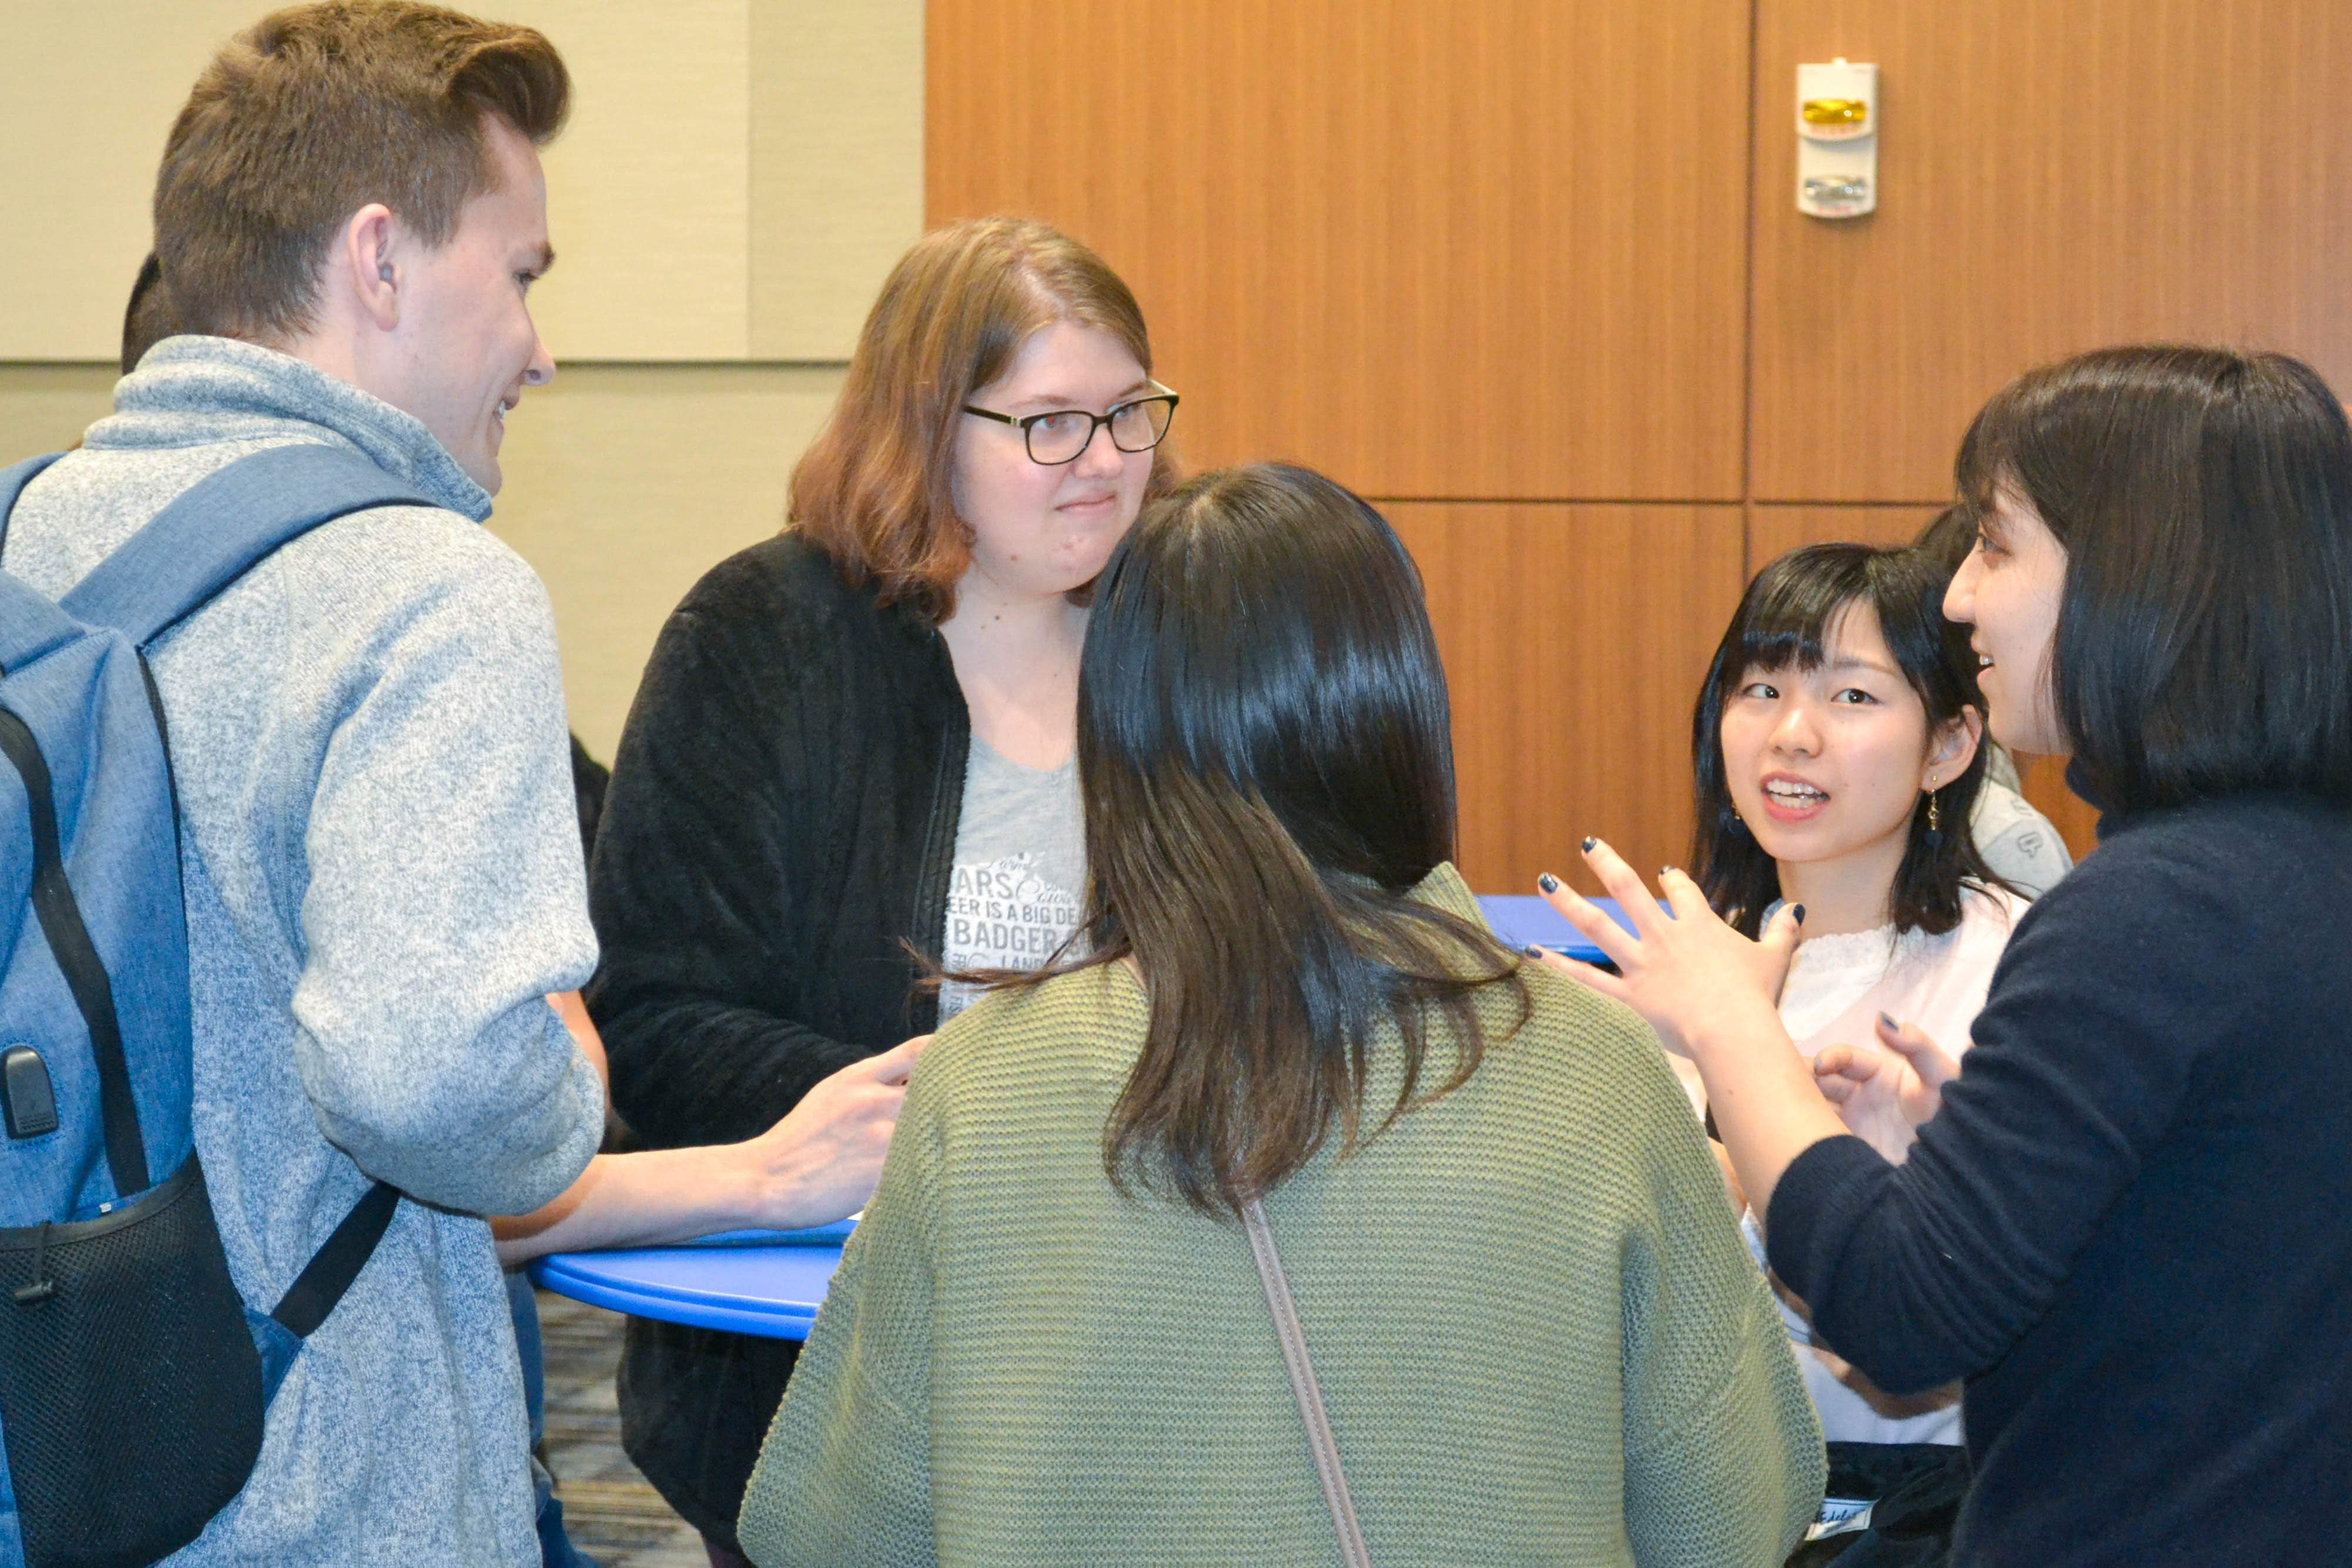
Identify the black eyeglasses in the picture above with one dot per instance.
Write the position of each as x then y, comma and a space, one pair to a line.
1059, 436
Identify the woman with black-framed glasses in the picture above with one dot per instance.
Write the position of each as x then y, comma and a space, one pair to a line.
853, 752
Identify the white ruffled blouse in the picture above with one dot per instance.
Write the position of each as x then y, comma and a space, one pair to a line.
1837, 986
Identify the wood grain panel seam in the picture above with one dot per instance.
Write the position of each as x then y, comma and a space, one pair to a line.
1901, 501
1747, 308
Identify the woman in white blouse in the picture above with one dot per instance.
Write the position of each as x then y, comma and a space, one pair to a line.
1838, 746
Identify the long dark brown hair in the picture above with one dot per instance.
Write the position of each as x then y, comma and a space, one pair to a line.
1784, 621
1265, 758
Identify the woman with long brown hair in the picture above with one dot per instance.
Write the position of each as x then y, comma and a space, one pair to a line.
851, 755
1530, 1327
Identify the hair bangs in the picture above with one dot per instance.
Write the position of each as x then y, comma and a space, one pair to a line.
1791, 618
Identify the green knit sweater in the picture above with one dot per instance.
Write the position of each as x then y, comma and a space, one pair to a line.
1537, 1333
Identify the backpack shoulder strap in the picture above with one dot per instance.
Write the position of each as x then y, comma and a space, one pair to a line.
30, 624
338, 1262
222, 526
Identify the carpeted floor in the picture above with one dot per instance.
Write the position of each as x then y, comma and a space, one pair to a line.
610, 1512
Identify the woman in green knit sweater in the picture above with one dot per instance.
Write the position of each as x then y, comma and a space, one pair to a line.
1535, 1331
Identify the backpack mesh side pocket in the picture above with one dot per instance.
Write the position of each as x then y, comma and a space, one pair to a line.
131, 1392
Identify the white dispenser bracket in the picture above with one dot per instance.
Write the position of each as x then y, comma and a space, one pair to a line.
1837, 140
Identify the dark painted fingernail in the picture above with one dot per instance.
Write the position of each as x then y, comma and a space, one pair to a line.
1800, 913
1889, 1025
1665, 872
1549, 883
1532, 951
1589, 843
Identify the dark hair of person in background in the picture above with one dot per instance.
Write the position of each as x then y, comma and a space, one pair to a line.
590, 780
876, 488
1784, 621
148, 318
1949, 537
2204, 499
389, 113
1266, 757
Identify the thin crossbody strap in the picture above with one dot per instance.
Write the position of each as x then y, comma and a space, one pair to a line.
1303, 1385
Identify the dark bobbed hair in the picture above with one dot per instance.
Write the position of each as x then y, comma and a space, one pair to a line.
2204, 499
1783, 622
1265, 756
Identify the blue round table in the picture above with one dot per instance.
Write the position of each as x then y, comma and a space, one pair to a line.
765, 1282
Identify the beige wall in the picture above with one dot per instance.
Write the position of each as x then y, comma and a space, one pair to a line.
731, 188
625, 482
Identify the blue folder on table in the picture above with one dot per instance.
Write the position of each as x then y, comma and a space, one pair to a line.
1521, 920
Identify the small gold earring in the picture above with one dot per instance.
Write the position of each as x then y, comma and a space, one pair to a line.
1935, 813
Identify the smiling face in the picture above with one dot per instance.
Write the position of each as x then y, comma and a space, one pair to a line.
1039, 530
1828, 764
2007, 593
466, 343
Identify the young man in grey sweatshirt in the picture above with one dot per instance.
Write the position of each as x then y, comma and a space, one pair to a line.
383, 876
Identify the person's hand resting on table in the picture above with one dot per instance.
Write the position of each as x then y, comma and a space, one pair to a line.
817, 1164
1712, 995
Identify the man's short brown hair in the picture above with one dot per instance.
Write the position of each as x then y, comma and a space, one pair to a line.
312, 113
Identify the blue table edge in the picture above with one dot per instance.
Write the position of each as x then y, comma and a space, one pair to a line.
561, 1272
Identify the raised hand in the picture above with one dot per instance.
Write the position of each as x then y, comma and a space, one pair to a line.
1713, 995
1692, 976
1885, 1091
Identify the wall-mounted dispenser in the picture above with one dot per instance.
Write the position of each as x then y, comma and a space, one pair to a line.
1837, 139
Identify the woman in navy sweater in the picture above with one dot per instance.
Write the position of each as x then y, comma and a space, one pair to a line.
2126, 1224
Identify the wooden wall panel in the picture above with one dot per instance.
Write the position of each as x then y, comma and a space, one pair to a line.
1574, 639
2052, 177
1774, 530
1441, 251
2046, 786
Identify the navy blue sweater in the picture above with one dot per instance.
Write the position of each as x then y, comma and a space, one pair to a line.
2129, 1227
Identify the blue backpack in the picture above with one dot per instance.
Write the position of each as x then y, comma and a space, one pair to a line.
132, 1378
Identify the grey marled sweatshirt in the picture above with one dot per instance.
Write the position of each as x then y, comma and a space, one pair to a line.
383, 880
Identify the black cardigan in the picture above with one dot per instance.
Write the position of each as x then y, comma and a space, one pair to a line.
2130, 1225
783, 812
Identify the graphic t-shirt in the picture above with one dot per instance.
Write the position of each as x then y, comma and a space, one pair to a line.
1019, 864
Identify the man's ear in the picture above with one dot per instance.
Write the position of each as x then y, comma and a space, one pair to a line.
1955, 746
366, 263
